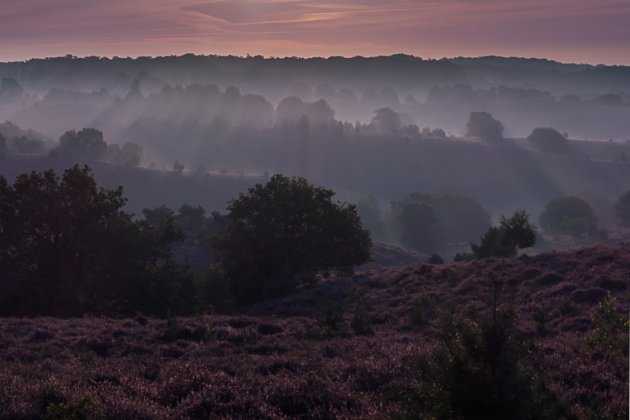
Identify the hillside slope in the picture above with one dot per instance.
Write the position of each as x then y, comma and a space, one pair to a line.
286, 358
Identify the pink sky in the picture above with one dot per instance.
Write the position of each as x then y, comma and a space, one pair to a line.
591, 31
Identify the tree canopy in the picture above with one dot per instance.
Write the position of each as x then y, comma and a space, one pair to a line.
280, 233
67, 248
87, 144
568, 215
513, 233
484, 126
548, 139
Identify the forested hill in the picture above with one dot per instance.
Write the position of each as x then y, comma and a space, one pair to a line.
402, 72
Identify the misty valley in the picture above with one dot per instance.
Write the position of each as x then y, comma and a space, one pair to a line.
204, 236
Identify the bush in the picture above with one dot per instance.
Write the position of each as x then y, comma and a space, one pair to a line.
280, 234
569, 215
513, 233
608, 327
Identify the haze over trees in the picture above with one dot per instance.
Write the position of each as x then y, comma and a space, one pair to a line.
483, 126
569, 215
622, 209
548, 139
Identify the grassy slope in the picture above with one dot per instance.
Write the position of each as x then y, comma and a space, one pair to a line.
271, 360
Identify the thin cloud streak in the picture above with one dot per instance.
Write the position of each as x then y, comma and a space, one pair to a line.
570, 30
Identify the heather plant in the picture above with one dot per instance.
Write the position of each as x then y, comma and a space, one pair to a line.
424, 309
331, 319
541, 320
361, 322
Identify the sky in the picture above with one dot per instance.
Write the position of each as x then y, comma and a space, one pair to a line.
580, 31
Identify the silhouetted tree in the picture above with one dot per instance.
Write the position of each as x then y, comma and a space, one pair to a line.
484, 126
622, 210
279, 233
68, 248
386, 121
569, 215
191, 219
513, 233
548, 139
87, 144
4, 150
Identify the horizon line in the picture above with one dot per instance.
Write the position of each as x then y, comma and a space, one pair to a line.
307, 57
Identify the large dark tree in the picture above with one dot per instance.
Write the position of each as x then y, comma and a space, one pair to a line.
68, 248
280, 233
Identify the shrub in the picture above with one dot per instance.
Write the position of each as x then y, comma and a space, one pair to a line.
569, 215
513, 233
280, 234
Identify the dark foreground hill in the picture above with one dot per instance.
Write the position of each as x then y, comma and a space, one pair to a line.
346, 347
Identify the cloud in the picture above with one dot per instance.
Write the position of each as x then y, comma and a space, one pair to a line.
578, 30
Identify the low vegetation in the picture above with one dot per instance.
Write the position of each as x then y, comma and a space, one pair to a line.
418, 341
